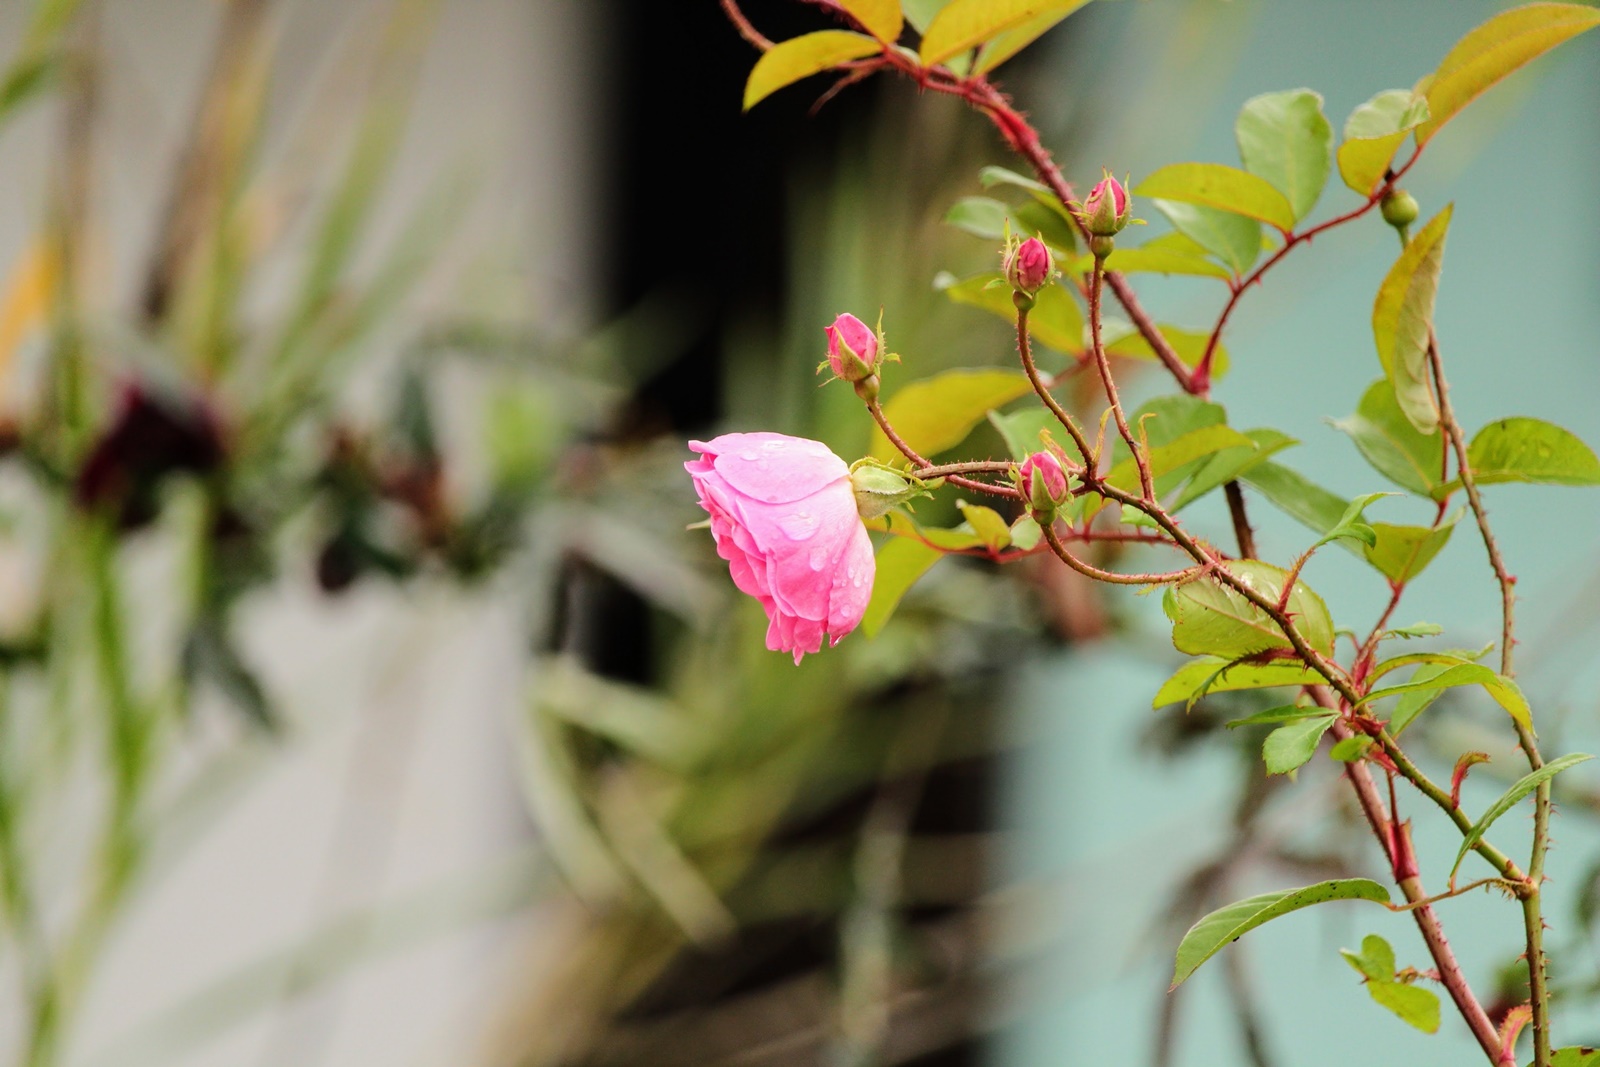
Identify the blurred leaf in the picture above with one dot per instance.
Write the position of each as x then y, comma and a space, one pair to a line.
1396, 449
964, 24
921, 12
1495, 49
1576, 1056
1054, 322
640, 721
1297, 495
1215, 674
1402, 322
938, 413
1043, 217
881, 18
1286, 139
1234, 239
1416, 629
1226, 925
1147, 260
800, 57
1173, 456
1215, 185
1003, 47
1401, 552
1414, 1005
1026, 533
1524, 785
981, 216
1531, 450
1289, 747
987, 524
1278, 716
1375, 961
1350, 749
1373, 133
1021, 429
1350, 526
1122, 339
1231, 463
1211, 619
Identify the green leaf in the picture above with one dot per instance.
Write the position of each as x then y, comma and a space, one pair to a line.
1502, 689
1286, 139
1168, 458
1045, 220
1417, 1006
901, 562
1414, 703
981, 216
1214, 674
1233, 239
1277, 716
1226, 925
994, 531
1210, 619
1402, 552
1025, 533
1289, 747
1530, 450
1396, 449
1495, 49
1375, 961
1350, 525
1576, 1056
1230, 464
1054, 322
800, 57
1402, 320
1373, 133
937, 413
1416, 629
920, 13
964, 24
1297, 495
1215, 185
881, 18
991, 176
1021, 429
1146, 260
1350, 749
1003, 47
1525, 785
900, 524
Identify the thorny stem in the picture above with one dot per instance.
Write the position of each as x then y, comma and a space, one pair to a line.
1089, 570
1068, 423
1532, 919
1140, 459
921, 463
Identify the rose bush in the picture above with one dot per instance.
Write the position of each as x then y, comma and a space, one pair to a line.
783, 513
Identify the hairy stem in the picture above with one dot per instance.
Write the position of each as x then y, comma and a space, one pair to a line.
1142, 461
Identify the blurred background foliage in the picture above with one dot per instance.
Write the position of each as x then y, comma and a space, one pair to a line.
332, 433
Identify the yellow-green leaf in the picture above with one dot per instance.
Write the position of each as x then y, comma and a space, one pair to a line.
937, 413
900, 524
1212, 674
987, 524
1495, 49
1003, 47
801, 57
1211, 619
1402, 321
1197, 444
881, 18
1054, 322
1222, 187
1233, 239
1531, 450
900, 563
1286, 139
1373, 133
964, 24
1146, 260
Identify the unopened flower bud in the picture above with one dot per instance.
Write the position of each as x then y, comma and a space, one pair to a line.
1043, 482
852, 348
1028, 266
1107, 208
880, 489
1399, 208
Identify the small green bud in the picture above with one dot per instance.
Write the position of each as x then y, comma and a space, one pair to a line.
1102, 246
880, 489
1399, 208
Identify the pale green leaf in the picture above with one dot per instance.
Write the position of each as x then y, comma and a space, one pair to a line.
1146, 260
1396, 449
1575, 1056
1502, 689
1524, 786
901, 562
1026, 533
1278, 716
1122, 339
1226, 925
1213, 674
1286, 139
1021, 429
1402, 322
1414, 1005
1350, 749
1233, 239
1375, 961
937, 413
1289, 747
1530, 450
1414, 703
920, 13
1224, 188
800, 57
1231, 464
1210, 619
993, 530
1168, 458
1495, 49
1373, 133
1055, 321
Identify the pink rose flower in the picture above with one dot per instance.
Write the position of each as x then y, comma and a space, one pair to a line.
783, 514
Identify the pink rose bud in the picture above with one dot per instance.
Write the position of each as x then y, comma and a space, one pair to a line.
1043, 482
1107, 208
783, 514
1029, 266
852, 348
